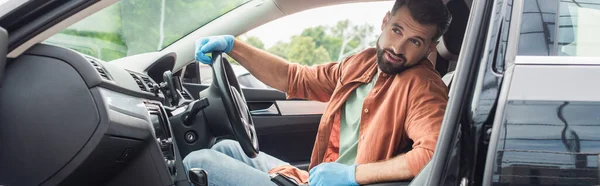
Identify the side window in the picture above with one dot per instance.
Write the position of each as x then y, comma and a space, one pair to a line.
316, 36
322, 35
191, 73
560, 28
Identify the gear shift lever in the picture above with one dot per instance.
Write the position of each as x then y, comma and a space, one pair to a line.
198, 177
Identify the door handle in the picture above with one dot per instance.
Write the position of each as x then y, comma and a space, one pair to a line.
271, 110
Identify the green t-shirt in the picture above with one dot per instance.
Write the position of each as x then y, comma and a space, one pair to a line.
350, 122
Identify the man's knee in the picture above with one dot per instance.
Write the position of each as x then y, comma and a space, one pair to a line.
200, 158
227, 146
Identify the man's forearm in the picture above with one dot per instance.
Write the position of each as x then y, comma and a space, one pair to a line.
394, 169
266, 67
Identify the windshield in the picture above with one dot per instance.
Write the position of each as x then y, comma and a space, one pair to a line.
131, 27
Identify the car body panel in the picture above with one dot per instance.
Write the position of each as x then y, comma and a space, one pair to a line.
546, 132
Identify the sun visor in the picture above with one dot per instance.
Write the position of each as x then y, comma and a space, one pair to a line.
3, 51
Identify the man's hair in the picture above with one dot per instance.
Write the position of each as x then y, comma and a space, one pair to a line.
427, 12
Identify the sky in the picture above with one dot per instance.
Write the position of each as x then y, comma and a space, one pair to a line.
358, 13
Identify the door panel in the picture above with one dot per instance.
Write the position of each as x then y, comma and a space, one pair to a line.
250, 93
546, 132
289, 138
294, 108
286, 129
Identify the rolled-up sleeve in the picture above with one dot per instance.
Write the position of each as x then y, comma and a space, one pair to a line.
425, 115
314, 82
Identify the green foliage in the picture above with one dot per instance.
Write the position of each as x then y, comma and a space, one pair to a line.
89, 42
280, 49
323, 39
320, 44
106, 36
255, 41
304, 50
318, 33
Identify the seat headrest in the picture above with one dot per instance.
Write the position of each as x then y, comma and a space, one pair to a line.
451, 41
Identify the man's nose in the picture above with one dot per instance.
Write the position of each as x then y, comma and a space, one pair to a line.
398, 47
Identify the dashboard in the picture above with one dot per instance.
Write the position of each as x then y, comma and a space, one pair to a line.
99, 123
152, 75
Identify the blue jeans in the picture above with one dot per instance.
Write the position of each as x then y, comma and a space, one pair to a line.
227, 164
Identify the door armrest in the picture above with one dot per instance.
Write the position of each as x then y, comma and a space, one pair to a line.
398, 183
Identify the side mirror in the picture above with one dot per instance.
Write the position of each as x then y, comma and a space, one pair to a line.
3, 51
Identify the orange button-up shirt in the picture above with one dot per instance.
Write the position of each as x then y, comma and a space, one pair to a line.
400, 108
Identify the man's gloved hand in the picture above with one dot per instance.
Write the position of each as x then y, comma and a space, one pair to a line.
332, 174
210, 44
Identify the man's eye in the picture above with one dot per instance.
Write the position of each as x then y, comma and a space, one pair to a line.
416, 42
395, 30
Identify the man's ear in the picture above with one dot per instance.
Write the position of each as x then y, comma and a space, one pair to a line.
386, 19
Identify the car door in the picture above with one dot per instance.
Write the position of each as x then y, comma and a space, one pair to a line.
546, 127
286, 128
524, 105
472, 102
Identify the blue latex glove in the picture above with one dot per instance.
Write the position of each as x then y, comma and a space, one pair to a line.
332, 174
211, 44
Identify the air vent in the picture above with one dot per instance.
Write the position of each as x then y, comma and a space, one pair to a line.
147, 81
139, 82
102, 73
100, 69
185, 95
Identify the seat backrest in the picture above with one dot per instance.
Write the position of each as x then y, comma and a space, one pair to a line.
451, 42
447, 79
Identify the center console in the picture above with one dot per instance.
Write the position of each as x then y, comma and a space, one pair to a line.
163, 134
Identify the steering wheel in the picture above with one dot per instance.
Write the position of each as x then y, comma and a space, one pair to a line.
238, 122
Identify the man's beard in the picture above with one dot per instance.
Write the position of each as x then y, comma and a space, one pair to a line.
389, 67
